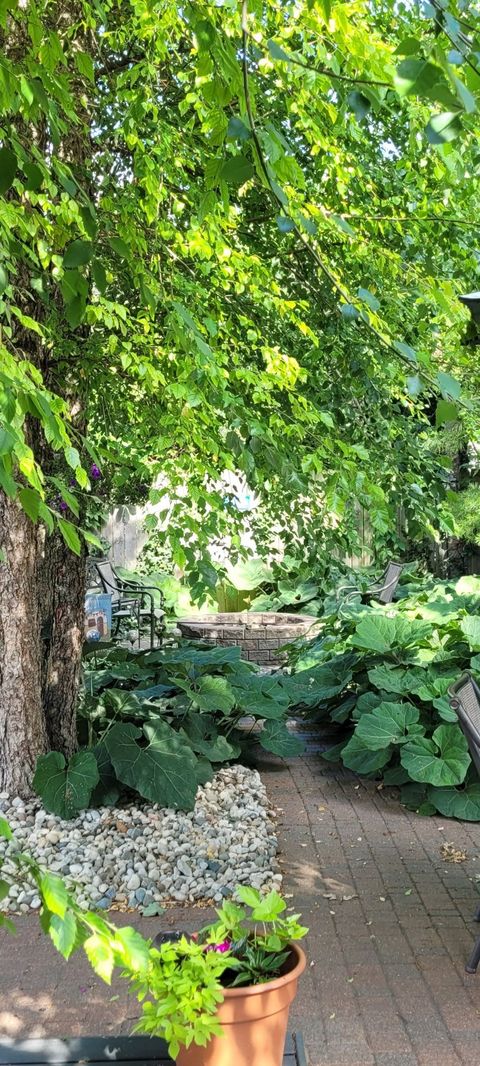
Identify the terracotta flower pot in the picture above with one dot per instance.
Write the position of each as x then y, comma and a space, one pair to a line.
254, 1020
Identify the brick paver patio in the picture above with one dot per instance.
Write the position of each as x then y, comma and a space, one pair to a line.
390, 928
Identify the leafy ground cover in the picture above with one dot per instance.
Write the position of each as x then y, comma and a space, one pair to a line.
384, 676
157, 723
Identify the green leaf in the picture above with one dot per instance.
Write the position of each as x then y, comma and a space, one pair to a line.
84, 65
99, 275
5, 830
387, 724
405, 350
375, 633
70, 535
410, 46
457, 803
237, 130
30, 501
470, 627
416, 77
237, 170
120, 247
215, 694
445, 412
277, 52
3, 279
391, 679
132, 948
443, 760
450, 387
349, 312
163, 772
368, 298
249, 896
466, 98
414, 385
65, 789
285, 225
100, 956
359, 103
276, 738
443, 128
78, 253
8, 169
62, 931
34, 177
107, 792
356, 756
54, 893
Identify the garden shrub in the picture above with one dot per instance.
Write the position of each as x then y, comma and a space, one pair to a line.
385, 674
158, 722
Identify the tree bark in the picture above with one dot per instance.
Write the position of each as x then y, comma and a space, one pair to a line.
23, 734
62, 589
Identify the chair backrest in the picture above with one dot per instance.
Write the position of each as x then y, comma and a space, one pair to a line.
389, 582
108, 579
465, 701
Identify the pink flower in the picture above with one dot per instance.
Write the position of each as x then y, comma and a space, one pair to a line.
224, 946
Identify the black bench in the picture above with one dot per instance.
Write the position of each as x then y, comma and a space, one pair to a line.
98, 1050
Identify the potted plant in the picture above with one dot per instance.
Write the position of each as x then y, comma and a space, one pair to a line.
223, 996
218, 998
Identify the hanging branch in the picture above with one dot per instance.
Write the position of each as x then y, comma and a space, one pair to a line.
309, 248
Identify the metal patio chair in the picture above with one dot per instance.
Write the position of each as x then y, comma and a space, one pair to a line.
465, 701
131, 599
383, 590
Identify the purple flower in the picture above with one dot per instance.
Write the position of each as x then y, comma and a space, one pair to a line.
95, 472
221, 948
63, 506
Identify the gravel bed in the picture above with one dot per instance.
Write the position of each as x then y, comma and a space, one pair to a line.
138, 856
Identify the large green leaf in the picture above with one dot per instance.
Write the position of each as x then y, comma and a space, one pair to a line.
260, 696
215, 694
390, 679
310, 687
276, 738
463, 803
443, 760
249, 575
8, 169
107, 792
216, 748
417, 77
358, 757
163, 772
186, 656
77, 254
387, 724
237, 170
470, 627
378, 632
65, 788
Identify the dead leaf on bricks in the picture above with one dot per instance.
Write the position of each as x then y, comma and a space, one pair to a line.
450, 853
121, 827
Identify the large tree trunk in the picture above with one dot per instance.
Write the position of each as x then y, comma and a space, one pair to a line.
62, 585
23, 734
42, 590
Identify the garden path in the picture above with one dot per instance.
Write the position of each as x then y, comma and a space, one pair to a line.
389, 926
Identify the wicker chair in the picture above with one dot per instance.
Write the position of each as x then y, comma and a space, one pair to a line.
465, 701
382, 590
131, 599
